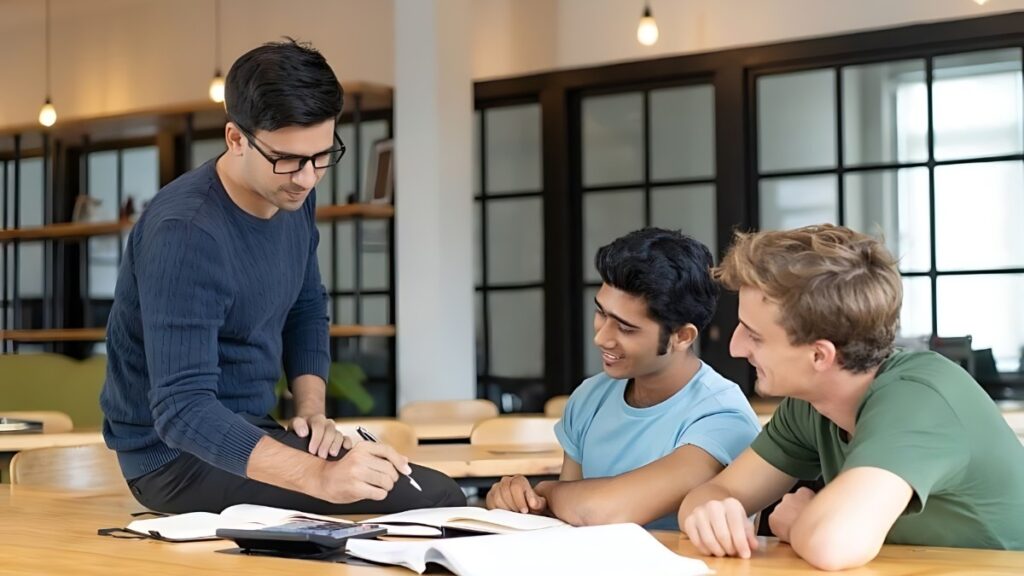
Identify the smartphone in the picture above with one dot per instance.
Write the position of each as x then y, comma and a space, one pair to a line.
300, 537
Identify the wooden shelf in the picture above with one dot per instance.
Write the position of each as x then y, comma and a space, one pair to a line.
99, 334
343, 211
56, 335
65, 231
78, 230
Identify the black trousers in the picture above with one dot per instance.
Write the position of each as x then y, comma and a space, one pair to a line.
188, 484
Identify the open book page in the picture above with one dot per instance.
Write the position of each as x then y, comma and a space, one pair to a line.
467, 518
611, 549
204, 525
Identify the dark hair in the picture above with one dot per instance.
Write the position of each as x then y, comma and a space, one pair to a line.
669, 270
281, 84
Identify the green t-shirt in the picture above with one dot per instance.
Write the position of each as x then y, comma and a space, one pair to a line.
927, 421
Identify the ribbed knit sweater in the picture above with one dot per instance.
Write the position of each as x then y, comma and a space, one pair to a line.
210, 303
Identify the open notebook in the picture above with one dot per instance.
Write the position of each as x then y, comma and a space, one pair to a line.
441, 522
203, 525
612, 549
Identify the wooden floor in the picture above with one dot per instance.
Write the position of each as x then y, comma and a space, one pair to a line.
51, 532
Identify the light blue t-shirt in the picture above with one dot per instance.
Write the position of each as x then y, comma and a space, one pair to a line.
608, 437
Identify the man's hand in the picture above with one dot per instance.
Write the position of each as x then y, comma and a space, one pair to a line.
366, 472
516, 494
788, 510
721, 528
324, 438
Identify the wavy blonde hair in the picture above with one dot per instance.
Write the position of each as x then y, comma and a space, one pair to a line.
829, 282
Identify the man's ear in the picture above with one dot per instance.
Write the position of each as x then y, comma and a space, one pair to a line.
234, 139
825, 355
684, 338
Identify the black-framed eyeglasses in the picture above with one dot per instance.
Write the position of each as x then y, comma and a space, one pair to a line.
291, 164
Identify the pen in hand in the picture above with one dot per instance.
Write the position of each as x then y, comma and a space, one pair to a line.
366, 435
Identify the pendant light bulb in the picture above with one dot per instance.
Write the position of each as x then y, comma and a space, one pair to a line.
217, 88
647, 30
47, 114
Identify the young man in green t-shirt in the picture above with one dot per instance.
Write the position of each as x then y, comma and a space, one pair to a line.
911, 449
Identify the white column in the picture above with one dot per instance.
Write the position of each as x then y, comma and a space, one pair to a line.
434, 200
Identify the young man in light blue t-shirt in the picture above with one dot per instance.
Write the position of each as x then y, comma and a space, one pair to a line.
658, 421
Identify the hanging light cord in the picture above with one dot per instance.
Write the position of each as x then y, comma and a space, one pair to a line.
216, 37
47, 50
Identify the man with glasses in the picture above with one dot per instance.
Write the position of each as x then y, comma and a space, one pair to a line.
219, 289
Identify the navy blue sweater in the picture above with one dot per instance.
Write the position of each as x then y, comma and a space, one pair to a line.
210, 303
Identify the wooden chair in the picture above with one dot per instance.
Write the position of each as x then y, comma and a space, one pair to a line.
555, 406
92, 467
399, 435
53, 422
448, 411
515, 430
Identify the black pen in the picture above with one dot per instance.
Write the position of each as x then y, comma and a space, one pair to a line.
365, 434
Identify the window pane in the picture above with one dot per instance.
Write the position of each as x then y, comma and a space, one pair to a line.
323, 254
885, 113
978, 104
796, 116
30, 280
376, 256
515, 241
978, 210
989, 309
371, 131
916, 313
606, 216
613, 139
798, 201
892, 204
478, 245
478, 322
477, 161
517, 333
687, 208
682, 126
103, 185
203, 150
141, 175
591, 354
345, 254
513, 149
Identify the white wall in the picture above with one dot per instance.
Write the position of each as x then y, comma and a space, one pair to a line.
117, 56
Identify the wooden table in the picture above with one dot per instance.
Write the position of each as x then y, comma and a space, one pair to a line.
19, 442
51, 532
461, 461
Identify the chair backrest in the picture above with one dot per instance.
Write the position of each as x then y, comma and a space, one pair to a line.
53, 422
515, 430
448, 411
399, 435
555, 406
89, 467
957, 349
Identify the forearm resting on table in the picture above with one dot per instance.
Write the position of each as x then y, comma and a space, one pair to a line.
704, 493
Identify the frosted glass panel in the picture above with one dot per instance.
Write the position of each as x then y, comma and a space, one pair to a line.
141, 175
203, 150
103, 185
375, 255
892, 204
345, 254
477, 161
978, 214
682, 127
323, 254
372, 131
606, 216
916, 313
478, 324
796, 115
799, 201
978, 104
515, 241
478, 245
513, 149
375, 310
987, 307
591, 354
517, 333
885, 113
30, 281
613, 135
690, 209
